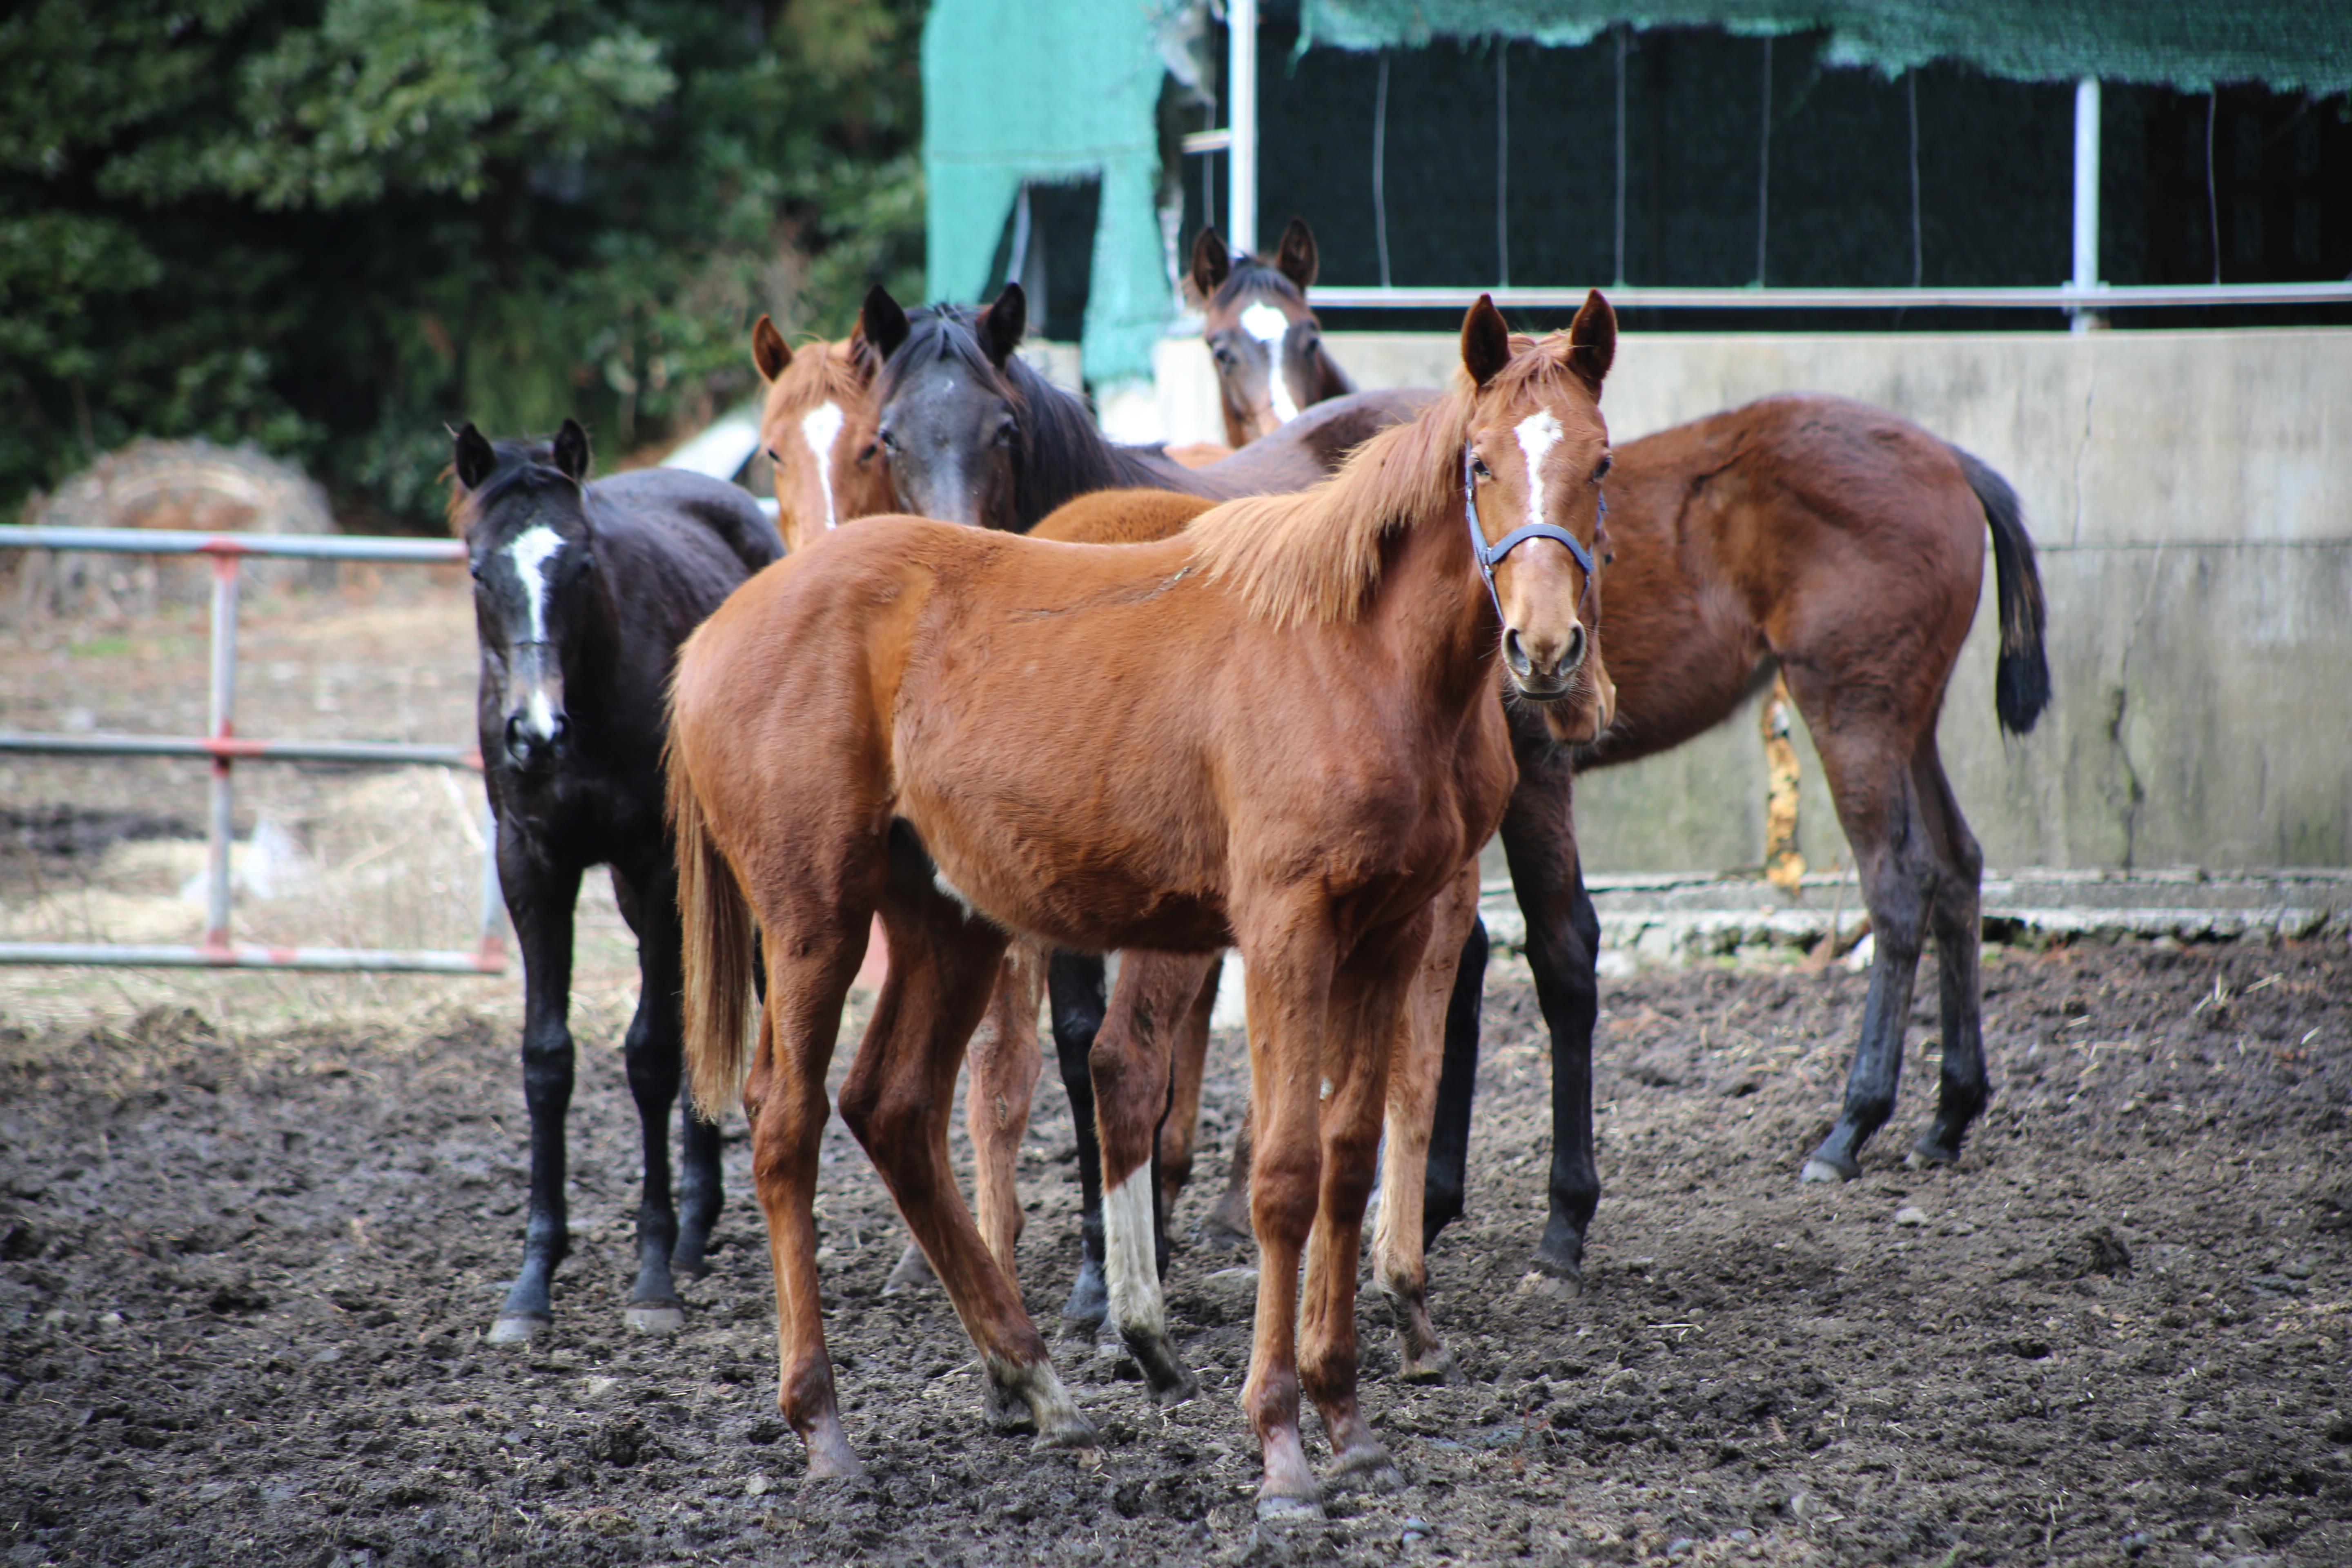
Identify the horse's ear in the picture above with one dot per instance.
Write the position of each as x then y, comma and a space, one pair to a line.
472, 459
571, 451
1001, 324
1211, 265
1485, 341
768, 350
882, 322
1296, 259
1593, 340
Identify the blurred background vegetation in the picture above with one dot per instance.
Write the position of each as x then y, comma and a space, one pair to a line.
328, 227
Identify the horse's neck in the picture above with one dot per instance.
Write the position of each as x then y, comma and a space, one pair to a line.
1434, 607
1335, 381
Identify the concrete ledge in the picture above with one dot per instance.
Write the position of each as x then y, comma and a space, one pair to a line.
1648, 921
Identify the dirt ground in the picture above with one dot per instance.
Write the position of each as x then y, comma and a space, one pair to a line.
253, 1227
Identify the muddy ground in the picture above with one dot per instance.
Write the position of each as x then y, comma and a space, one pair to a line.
253, 1226
247, 1274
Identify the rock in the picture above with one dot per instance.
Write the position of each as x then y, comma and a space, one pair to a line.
757, 1487
1910, 1215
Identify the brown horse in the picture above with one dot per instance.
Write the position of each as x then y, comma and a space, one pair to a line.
1293, 747
1271, 361
1843, 547
816, 424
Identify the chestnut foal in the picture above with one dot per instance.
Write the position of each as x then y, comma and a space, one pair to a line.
1293, 749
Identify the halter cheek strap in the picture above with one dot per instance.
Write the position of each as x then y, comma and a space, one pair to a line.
1487, 555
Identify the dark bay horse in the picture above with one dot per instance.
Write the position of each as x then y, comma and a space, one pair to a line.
1269, 346
1292, 747
1842, 546
582, 594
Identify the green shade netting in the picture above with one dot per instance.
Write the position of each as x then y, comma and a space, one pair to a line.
1059, 89
2289, 46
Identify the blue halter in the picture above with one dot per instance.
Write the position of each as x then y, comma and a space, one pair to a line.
1486, 554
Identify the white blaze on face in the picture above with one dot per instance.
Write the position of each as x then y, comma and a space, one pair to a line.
820, 427
530, 554
1270, 326
1537, 433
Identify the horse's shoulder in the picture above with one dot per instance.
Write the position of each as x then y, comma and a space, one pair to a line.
686, 509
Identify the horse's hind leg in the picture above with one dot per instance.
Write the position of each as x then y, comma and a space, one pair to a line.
1399, 1256
1964, 1088
540, 898
653, 1052
1179, 1134
784, 1101
897, 1099
1074, 987
1004, 1067
1129, 1067
1897, 863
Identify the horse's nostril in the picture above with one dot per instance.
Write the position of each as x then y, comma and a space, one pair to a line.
1514, 652
1575, 654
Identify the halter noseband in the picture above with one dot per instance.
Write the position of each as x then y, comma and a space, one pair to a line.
1486, 554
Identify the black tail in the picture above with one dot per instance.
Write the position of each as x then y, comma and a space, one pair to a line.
2022, 676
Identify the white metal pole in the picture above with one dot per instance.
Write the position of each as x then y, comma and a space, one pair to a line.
2086, 195
1241, 115
221, 833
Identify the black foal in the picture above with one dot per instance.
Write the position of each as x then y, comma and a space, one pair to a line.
582, 594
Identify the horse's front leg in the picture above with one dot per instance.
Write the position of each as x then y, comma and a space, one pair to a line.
1400, 1259
1563, 951
1368, 1016
1129, 1068
1180, 1133
1289, 984
653, 1052
539, 897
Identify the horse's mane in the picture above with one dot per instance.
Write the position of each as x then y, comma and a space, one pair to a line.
522, 465
1297, 560
1061, 454
1253, 275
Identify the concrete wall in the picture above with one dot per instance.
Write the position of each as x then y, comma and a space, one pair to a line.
2190, 495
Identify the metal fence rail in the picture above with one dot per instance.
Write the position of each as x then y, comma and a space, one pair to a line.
224, 748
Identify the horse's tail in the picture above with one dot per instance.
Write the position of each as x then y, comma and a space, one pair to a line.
719, 952
2021, 674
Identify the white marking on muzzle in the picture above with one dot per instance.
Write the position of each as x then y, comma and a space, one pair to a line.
1129, 1255
1269, 327
820, 427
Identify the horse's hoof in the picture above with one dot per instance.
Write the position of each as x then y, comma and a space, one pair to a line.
911, 1272
655, 1318
1090, 1302
836, 1466
1071, 1431
1366, 1469
1283, 1509
1436, 1366
1560, 1287
1227, 1228
515, 1331
1928, 1151
1177, 1392
1818, 1168
1006, 1410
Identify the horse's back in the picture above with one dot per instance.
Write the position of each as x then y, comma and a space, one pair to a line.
688, 503
1121, 517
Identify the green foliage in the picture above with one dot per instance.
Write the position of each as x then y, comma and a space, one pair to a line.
331, 226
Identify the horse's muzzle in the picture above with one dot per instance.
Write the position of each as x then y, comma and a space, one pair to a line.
1544, 673
530, 749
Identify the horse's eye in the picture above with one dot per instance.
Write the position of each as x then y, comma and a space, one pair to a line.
866, 454
1602, 472
1480, 468
890, 441
1007, 433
